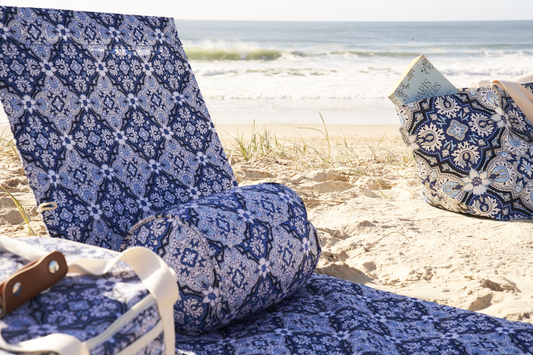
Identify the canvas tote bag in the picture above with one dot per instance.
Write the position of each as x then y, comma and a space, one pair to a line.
474, 149
136, 287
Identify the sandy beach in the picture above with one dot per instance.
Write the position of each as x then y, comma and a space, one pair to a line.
362, 193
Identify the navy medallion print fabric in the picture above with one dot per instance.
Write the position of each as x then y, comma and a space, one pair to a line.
236, 252
108, 119
474, 152
84, 306
329, 316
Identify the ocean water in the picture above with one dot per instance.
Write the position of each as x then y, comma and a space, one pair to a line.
283, 71
274, 67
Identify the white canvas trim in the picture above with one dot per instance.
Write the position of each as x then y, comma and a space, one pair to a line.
155, 274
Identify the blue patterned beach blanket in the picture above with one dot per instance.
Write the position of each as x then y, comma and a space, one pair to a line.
329, 316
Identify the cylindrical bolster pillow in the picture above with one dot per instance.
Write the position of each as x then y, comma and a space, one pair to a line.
235, 253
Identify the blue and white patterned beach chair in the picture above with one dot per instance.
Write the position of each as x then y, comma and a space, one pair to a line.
112, 129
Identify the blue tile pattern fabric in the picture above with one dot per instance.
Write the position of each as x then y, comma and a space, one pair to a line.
108, 119
236, 252
329, 316
111, 126
474, 152
82, 306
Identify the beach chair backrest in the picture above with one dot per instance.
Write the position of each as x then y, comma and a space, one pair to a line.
108, 119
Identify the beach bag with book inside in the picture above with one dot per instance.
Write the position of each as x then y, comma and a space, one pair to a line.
108, 303
474, 149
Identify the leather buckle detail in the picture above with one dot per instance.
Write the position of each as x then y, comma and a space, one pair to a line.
30, 280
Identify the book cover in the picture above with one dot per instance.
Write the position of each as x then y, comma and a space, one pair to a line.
419, 81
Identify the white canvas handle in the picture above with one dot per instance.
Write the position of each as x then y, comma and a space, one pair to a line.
62, 344
521, 96
154, 273
24, 250
524, 79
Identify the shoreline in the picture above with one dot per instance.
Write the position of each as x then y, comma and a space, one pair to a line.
313, 133
353, 117
357, 117
308, 131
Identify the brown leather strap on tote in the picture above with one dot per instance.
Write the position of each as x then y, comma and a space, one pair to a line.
32, 279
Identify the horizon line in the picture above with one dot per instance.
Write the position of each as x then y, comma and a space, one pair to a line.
365, 21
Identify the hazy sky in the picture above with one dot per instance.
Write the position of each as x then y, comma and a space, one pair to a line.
304, 10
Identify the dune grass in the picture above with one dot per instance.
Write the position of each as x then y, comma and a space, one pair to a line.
333, 152
21, 210
263, 149
9, 156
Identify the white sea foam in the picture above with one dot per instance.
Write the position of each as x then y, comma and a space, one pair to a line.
288, 66
272, 67
350, 83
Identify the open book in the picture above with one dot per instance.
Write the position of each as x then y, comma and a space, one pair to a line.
420, 80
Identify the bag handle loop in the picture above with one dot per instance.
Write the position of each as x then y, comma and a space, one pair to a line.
521, 96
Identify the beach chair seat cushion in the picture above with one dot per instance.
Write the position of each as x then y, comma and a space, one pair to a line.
84, 306
329, 316
108, 119
236, 252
